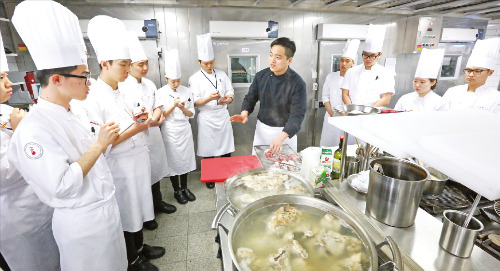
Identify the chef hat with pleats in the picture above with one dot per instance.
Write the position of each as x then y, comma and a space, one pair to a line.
172, 64
4, 66
485, 54
205, 49
52, 34
375, 38
429, 63
351, 49
109, 38
135, 48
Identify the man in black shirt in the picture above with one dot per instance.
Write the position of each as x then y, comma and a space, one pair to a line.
282, 95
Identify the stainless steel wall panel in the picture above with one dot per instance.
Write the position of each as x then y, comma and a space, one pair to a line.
162, 17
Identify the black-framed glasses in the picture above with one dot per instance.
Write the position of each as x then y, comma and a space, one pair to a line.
371, 57
87, 77
475, 72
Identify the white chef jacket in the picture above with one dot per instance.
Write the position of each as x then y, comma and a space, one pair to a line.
484, 98
176, 130
129, 161
331, 90
413, 102
330, 135
144, 93
165, 99
26, 239
45, 149
104, 104
366, 86
203, 84
213, 119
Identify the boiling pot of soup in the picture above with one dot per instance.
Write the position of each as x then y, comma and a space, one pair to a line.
293, 232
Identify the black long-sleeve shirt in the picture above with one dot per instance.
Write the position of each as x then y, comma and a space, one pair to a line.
283, 99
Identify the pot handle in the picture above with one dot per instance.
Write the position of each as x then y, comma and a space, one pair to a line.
396, 253
219, 214
232, 210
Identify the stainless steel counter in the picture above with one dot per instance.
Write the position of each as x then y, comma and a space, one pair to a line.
420, 242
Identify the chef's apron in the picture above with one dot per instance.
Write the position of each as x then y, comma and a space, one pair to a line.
130, 170
90, 238
26, 239
157, 155
179, 145
265, 134
330, 135
215, 133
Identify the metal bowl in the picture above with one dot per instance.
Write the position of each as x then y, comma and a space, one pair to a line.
354, 110
230, 183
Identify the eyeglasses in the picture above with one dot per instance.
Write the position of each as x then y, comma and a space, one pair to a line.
87, 78
370, 57
476, 72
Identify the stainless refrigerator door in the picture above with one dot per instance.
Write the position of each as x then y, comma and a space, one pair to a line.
243, 133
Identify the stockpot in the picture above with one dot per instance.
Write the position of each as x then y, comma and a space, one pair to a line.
297, 201
394, 196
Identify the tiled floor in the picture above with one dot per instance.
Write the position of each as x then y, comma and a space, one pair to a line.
186, 234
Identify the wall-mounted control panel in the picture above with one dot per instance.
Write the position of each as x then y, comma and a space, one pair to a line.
429, 33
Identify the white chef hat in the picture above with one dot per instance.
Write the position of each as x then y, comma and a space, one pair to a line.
4, 66
51, 32
351, 49
375, 38
429, 63
135, 48
172, 64
205, 49
485, 54
108, 37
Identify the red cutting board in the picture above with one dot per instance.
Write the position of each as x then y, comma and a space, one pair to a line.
220, 169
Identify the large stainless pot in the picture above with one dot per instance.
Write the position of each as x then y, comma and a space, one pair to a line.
296, 200
393, 197
229, 184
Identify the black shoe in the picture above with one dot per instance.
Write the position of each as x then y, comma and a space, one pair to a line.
164, 207
150, 225
210, 185
151, 252
179, 196
188, 195
142, 267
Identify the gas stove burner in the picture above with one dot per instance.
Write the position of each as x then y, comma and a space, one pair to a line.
491, 214
490, 242
451, 198
495, 241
